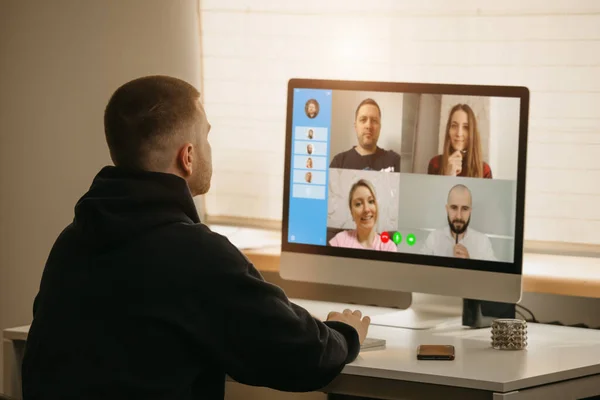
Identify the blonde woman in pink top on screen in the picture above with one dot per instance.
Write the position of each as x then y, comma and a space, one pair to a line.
363, 208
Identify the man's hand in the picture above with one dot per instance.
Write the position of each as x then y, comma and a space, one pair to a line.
461, 251
354, 319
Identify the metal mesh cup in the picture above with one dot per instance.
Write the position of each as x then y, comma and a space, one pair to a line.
509, 334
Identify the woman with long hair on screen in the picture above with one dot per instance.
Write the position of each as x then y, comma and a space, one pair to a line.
462, 147
362, 201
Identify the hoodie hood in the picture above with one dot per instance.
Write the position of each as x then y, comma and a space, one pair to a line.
122, 204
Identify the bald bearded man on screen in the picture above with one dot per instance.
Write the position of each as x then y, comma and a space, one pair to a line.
457, 239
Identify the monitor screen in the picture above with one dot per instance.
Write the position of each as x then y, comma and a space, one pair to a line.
414, 173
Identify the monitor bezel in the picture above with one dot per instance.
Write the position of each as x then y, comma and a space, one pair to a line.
521, 92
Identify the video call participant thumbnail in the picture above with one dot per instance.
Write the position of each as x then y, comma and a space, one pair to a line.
311, 108
457, 239
366, 155
362, 201
462, 155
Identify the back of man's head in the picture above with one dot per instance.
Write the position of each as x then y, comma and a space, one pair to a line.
147, 119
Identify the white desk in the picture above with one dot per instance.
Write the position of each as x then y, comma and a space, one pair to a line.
560, 363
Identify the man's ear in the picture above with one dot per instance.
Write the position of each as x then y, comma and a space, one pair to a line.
185, 159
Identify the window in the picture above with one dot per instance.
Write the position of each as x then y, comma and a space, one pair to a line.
252, 48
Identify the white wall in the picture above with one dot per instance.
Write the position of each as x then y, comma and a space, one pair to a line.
252, 48
343, 109
61, 60
504, 137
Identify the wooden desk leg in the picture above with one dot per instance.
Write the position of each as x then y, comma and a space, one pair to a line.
13, 357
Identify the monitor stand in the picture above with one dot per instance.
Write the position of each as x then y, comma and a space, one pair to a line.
425, 312
481, 314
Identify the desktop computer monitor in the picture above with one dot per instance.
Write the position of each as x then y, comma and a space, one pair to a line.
406, 187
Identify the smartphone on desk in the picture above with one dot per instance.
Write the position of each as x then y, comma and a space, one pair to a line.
435, 352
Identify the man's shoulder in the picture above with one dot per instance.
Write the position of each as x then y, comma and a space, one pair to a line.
209, 244
442, 230
388, 157
195, 252
346, 153
340, 159
438, 233
389, 153
478, 235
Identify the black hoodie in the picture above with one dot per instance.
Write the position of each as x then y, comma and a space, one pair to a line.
139, 300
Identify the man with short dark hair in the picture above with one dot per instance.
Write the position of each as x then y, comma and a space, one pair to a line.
366, 155
140, 300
